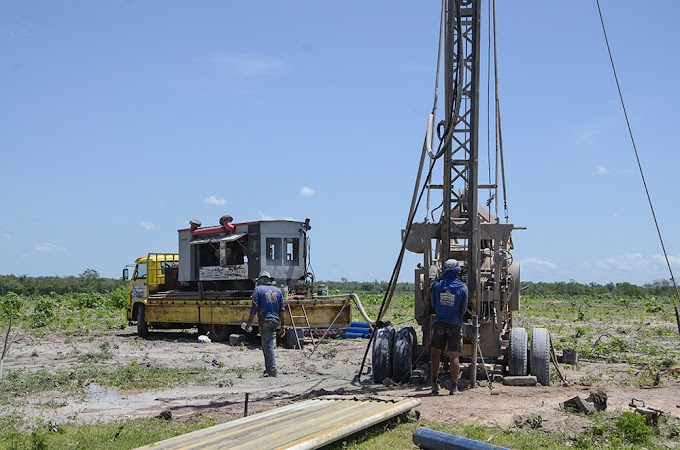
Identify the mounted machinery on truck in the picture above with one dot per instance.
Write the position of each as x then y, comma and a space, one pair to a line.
464, 230
208, 283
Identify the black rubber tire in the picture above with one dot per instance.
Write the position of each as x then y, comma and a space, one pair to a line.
405, 341
289, 340
381, 359
517, 357
539, 356
142, 326
204, 329
219, 333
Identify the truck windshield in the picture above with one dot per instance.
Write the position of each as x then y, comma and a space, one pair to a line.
140, 271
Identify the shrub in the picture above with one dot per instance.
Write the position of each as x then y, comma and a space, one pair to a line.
43, 311
632, 428
8, 300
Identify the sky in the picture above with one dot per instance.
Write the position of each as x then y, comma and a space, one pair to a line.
122, 120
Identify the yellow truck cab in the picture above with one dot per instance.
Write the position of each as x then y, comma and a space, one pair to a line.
149, 274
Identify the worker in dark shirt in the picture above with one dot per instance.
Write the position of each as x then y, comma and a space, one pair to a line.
268, 305
449, 302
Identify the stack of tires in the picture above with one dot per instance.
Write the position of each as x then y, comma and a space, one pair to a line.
392, 355
530, 357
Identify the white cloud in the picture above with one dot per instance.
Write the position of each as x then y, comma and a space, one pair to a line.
149, 225
5, 236
45, 247
631, 263
264, 216
212, 200
306, 192
601, 170
248, 65
538, 264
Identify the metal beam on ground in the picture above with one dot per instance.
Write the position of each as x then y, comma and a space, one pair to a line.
307, 425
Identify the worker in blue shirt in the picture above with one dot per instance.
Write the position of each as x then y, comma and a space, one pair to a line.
449, 302
268, 305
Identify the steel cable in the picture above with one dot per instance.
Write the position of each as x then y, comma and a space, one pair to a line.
637, 156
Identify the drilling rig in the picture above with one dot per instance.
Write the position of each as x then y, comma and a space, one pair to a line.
466, 230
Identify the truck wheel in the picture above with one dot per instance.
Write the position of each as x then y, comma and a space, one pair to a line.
402, 354
219, 333
290, 341
142, 326
517, 361
539, 363
381, 358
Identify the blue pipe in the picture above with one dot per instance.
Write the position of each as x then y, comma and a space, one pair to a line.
358, 330
359, 324
353, 335
436, 440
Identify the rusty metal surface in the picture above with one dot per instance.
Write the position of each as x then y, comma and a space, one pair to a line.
184, 307
305, 425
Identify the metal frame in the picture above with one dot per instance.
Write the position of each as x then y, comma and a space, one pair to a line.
460, 186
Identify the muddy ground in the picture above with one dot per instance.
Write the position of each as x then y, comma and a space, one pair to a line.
330, 369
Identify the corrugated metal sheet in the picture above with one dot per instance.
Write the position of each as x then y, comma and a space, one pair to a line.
305, 425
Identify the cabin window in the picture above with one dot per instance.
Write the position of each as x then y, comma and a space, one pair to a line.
209, 255
274, 251
292, 251
140, 272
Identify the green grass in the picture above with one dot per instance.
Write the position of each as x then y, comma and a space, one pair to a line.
634, 330
17, 434
614, 431
637, 330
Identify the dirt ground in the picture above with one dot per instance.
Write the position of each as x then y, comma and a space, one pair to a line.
330, 369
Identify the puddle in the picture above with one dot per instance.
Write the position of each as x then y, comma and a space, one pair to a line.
97, 394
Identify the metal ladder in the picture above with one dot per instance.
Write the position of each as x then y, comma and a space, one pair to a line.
299, 338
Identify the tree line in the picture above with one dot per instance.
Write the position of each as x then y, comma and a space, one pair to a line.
87, 282
91, 282
571, 287
568, 288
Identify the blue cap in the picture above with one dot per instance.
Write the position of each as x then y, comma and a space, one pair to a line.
451, 264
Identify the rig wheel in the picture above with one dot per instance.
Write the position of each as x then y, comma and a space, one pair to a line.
517, 359
539, 363
381, 357
142, 326
402, 355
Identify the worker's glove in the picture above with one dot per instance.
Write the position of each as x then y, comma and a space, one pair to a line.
244, 325
281, 332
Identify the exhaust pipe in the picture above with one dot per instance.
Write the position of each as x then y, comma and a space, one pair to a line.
225, 226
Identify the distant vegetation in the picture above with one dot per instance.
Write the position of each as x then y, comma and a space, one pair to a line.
87, 282
90, 282
568, 288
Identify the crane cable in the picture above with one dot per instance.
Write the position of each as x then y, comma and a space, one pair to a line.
415, 203
500, 160
499, 133
445, 136
637, 156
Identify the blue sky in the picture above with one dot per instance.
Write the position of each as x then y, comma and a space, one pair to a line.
120, 121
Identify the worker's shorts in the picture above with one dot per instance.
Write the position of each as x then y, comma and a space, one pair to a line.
445, 333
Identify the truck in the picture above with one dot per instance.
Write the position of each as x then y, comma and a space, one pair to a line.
208, 283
